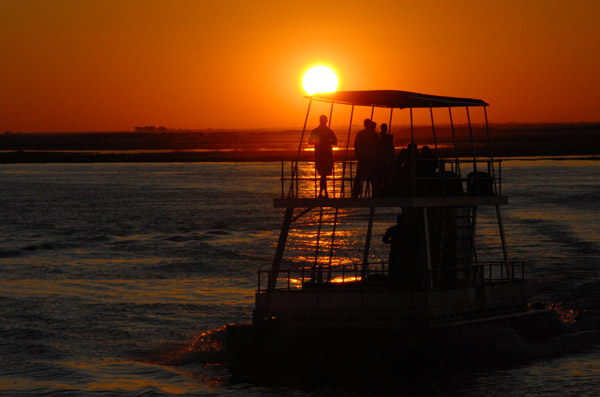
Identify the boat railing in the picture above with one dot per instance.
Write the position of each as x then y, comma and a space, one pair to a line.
483, 273
480, 274
295, 279
488, 282
420, 177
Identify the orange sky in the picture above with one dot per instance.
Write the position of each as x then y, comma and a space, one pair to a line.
100, 65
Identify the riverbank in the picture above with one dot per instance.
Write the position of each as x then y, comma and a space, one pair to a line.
508, 140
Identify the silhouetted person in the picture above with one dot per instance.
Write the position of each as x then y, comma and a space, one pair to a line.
403, 268
366, 151
323, 138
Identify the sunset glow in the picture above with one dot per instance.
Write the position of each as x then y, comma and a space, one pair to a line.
319, 79
73, 65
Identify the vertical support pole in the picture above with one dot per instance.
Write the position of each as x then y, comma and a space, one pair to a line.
472, 141
454, 141
427, 245
291, 192
473, 231
435, 145
411, 176
503, 238
315, 178
258, 273
330, 113
285, 229
412, 131
333, 172
332, 242
346, 157
300, 147
333, 180
392, 176
365, 263
282, 176
315, 266
487, 129
500, 177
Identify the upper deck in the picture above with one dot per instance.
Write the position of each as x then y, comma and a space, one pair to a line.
448, 188
410, 177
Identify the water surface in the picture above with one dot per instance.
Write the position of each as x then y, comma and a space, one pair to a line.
112, 274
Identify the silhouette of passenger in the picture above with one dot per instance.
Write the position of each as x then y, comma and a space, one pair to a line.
430, 162
323, 138
366, 151
403, 268
393, 236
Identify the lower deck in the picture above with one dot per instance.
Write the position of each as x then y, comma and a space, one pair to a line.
380, 307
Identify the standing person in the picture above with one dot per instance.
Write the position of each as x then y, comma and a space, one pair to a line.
404, 269
366, 150
323, 138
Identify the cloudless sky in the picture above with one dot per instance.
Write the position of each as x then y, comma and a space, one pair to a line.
100, 65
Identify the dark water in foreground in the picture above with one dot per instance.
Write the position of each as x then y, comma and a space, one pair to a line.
111, 275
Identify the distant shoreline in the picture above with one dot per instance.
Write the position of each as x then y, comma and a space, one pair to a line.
508, 140
178, 157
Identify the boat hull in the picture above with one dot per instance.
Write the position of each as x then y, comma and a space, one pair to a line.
384, 308
279, 352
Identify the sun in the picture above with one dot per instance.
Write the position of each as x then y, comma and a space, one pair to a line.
319, 79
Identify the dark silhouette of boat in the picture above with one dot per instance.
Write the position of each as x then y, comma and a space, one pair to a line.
326, 307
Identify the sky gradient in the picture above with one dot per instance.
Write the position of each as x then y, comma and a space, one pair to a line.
93, 65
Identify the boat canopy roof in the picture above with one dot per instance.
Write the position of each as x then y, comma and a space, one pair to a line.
395, 99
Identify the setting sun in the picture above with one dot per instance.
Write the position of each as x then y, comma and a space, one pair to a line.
319, 79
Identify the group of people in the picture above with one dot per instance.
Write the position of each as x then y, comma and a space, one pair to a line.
377, 167
387, 175
414, 171
375, 160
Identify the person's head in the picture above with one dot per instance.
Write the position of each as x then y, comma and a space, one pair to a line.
367, 123
412, 147
399, 218
384, 128
426, 152
323, 119
373, 125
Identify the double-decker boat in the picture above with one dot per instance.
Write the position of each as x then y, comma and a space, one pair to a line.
440, 278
